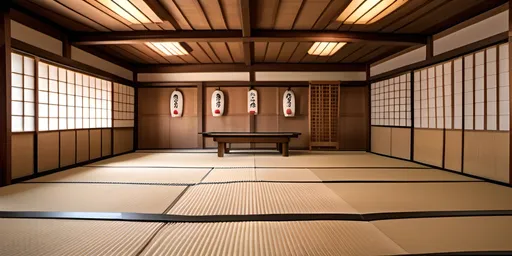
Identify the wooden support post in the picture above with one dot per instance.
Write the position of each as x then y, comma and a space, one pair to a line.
5, 95
66, 47
285, 148
200, 115
220, 149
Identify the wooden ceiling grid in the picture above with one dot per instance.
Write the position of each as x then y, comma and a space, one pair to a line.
415, 17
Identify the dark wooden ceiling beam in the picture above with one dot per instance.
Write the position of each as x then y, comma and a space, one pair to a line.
244, 68
133, 37
161, 12
248, 47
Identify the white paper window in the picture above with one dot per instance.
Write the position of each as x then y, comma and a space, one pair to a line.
22, 93
503, 88
491, 87
124, 100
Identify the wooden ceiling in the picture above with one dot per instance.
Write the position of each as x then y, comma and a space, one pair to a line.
422, 17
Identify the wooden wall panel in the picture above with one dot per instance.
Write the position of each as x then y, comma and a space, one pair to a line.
381, 140
82, 146
67, 148
428, 146
453, 150
106, 142
153, 132
486, 154
22, 156
401, 142
235, 118
157, 129
353, 114
123, 140
48, 150
95, 143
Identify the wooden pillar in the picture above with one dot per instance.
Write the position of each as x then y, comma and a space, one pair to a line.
200, 114
510, 92
66, 47
5, 95
135, 114
430, 47
368, 98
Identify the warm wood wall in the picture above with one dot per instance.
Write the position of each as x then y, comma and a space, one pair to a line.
156, 127
158, 130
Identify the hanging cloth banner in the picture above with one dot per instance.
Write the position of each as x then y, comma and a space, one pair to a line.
252, 100
217, 103
176, 104
289, 103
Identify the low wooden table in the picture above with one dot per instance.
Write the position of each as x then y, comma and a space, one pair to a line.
282, 139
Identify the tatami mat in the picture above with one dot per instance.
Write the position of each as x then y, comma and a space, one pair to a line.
260, 174
235, 174
272, 238
126, 174
259, 198
433, 235
179, 160
380, 174
329, 159
405, 197
88, 197
27, 237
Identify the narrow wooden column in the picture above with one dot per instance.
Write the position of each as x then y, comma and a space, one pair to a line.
200, 115
5, 95
510, 92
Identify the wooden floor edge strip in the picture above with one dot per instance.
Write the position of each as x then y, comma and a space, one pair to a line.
166, 218
259, 167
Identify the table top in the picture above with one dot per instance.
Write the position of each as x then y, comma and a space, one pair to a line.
250, 134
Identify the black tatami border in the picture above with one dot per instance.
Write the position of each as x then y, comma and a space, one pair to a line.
166, 218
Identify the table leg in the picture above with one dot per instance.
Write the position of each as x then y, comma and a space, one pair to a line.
220, 149
226, 149
285, 148
279, 147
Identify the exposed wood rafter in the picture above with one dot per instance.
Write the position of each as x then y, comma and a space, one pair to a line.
245, 14
158, 68
133, 37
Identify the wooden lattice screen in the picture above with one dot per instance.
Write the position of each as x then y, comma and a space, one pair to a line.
324, 101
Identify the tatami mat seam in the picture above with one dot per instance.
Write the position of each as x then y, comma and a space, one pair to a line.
151, 238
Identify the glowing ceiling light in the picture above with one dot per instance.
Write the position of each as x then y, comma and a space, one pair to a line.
325, 48
134, 11
368, 11
170, 48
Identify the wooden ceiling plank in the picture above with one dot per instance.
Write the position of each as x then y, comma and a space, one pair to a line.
148, 51
214, 14
309, 58
288, 10
369, 51
207, 48
273, 49
221, 50
266, 13
300, 52
259, 51
163, 13
174, 12
344, 51
116, 50
310, 13
431, 6
384, 51
66, 12
286, 51
26, 9
232, 13
330, 14
141, 54
236, 50
193, 13
189, 58
366, 48
301, 7
199, 53
93, 13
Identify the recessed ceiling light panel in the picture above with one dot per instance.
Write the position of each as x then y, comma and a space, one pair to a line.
170, 48
134, 11
368, 11
325, 48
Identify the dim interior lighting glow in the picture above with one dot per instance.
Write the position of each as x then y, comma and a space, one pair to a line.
169, 48
368, 11
134, 11
325, 48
